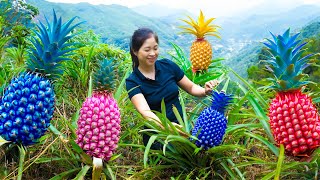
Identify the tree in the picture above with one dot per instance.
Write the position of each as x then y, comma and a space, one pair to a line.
17, 18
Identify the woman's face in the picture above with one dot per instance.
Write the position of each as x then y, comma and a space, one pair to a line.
148, 53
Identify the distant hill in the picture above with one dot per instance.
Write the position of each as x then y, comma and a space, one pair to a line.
114, 23
257, 26
240, 34
248, 56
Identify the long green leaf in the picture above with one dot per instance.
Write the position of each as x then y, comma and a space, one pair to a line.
263, 118
146, 151
64, 174
176, 113
254, 91
47, 160
118, 91
269, 144
184, 114
260, 113
279, 164
229, 171
108, 171
90, 86
224, 148
236, 169
21, 161
239, 126
55, 131
180, 139
82, 173
84, 157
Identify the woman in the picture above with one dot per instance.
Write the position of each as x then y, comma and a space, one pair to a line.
153, 80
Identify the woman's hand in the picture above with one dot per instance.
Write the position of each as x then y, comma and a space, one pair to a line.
208, 86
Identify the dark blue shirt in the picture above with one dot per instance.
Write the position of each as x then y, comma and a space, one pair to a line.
163, 87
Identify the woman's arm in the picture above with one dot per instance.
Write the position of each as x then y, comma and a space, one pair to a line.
140, 103
196, 90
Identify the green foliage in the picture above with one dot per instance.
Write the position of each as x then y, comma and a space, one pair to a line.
17, 20
216, 69
257, 73
86, 38
17, 54
311, 30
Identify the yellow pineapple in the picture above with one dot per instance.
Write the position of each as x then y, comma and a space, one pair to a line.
200, 51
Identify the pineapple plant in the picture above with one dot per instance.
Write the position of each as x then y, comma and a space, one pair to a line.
99, 120
201, 50
294, 119
27, 105
211, 124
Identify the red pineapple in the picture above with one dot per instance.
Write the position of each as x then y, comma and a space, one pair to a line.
294, 119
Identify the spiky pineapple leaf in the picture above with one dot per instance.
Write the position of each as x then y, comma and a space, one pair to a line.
286, 61
3, 141
51, 46
201, 27
104, 78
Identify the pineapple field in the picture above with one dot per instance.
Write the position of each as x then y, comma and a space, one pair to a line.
65, 112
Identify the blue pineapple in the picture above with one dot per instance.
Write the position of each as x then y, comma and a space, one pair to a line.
211, 125
27, 105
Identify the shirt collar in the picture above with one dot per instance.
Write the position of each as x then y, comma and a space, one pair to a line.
142, 77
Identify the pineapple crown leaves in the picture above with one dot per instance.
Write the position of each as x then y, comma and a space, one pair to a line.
201, 27
286, 61
220, 101
51, 46
104, 77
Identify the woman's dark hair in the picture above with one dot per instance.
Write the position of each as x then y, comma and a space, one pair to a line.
137, 39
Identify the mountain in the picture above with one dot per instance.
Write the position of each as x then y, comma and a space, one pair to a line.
239, 34
257, 26
248, 55
114, 23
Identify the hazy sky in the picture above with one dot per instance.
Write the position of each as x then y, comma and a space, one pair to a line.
210, 7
